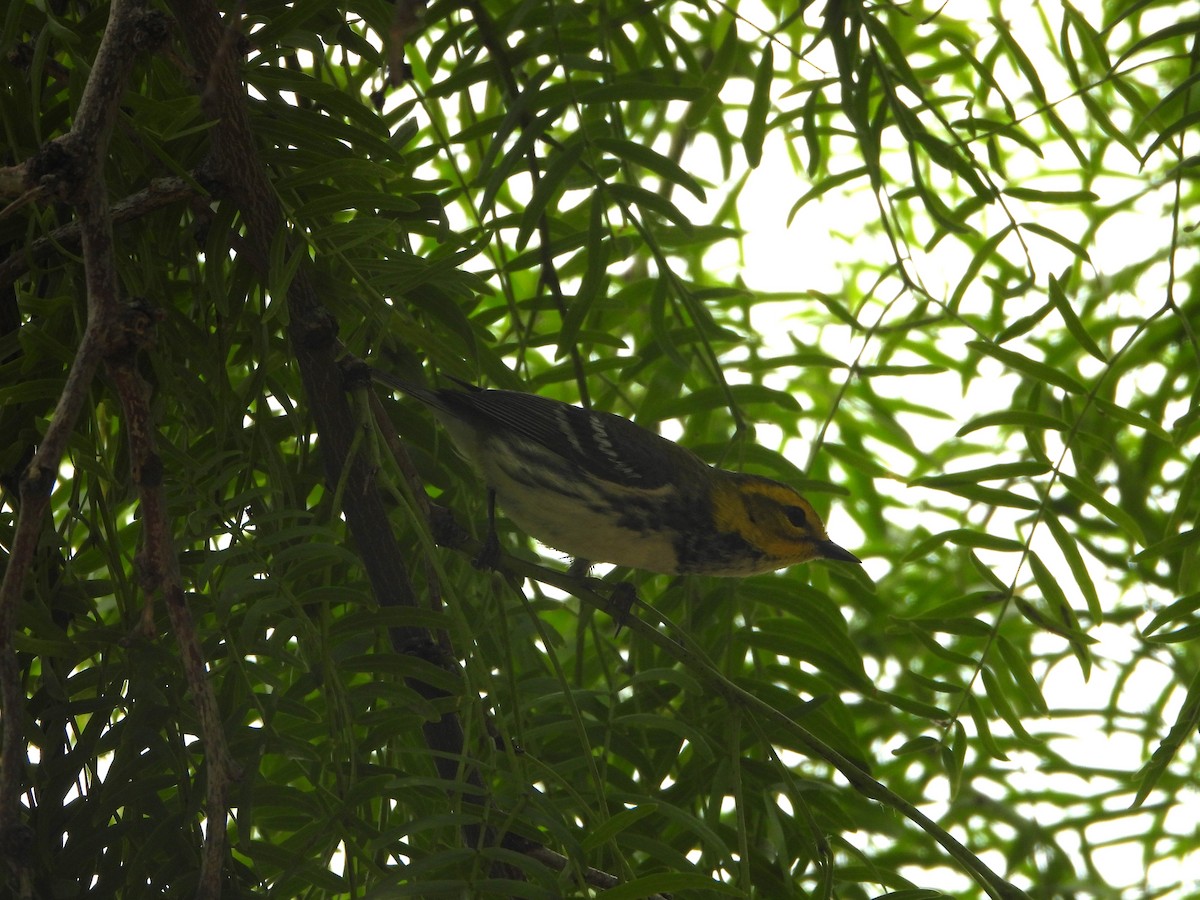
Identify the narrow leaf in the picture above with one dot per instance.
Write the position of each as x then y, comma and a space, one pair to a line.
651, 159
824, 186
984, 728
1187, 26
1049, 234
670, 882
760, 104
549, 187
1127, 416
965, 538
980, 494
985, 252
598, 251
1069, 548
922, 744
996, 692
624, 91
1182, 731
954, 757
1179, 611
1173, 544
648, 201
1018, 666
1019, 418
1088, 494
1033, 368
1072, 321
1037, 196
597, 835
1056, 600
998, 472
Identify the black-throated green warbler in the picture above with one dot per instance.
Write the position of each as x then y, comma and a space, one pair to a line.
601, 488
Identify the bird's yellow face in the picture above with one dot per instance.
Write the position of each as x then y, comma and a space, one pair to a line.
777, 520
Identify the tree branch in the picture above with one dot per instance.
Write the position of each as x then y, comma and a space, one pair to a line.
161, 192
71, 168
158, 574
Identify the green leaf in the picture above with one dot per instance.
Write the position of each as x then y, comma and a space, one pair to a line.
760, 104
917, 746
1090, 495
986, 573
954, 757
595, 280
1065, 618
548, 188
981, 494
824, 186
630, 89
1059, 239
1024, 325
985, 253
996, 692
966, 538
667, 169
966, 605
812, 135
1017, 665
983, 728
1182, 731
916, 707
648, 201
715, 76
1039, 196
1178, 92
598, 835
1174, 544
1179, 611
666, 883
1054, 626
953, 222
1185, 27
1127, 416
830, 650
1069, 547
931, 644
1015, 417
997, 472
517, 157
1036, 370
1072, 321
1052, 591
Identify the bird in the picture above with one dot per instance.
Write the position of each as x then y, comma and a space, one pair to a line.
601, 488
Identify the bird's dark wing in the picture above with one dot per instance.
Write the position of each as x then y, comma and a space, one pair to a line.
602, 444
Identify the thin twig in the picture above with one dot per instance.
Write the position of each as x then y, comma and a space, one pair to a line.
161, 192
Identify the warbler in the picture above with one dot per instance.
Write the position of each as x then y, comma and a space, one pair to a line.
598, 487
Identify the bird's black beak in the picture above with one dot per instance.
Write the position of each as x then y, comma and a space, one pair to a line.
830, 550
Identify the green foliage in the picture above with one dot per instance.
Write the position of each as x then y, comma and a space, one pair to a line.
990, 389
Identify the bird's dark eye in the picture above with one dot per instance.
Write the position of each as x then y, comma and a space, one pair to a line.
796, 516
